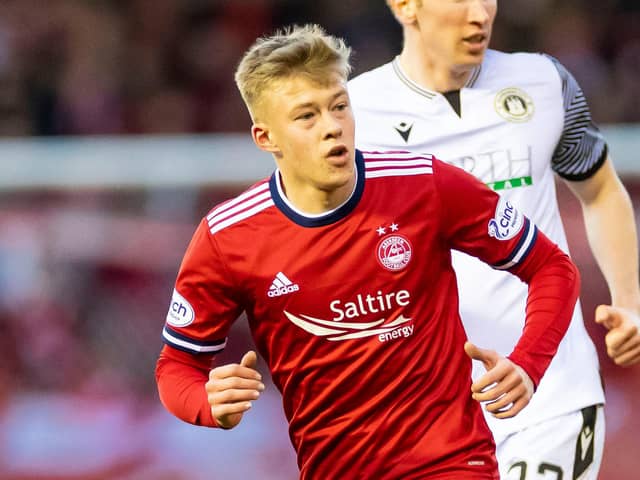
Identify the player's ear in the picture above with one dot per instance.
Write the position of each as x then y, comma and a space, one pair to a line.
263, 138
403, 10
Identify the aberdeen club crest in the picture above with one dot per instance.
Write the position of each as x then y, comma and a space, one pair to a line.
394, 252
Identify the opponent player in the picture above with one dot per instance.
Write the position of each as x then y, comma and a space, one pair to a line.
342, 262
513, 120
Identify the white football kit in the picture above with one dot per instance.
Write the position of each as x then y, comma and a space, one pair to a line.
520, 118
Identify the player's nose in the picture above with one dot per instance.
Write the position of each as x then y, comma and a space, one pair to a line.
332, 126
479, 12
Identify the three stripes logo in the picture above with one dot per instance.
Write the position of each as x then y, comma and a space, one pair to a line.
281, 285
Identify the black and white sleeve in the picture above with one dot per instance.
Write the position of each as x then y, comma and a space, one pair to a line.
581, 150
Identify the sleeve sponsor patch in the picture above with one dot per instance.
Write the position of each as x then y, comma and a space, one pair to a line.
507, 221
180, 312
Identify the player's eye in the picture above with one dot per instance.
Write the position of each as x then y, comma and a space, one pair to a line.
341, 106
305, 116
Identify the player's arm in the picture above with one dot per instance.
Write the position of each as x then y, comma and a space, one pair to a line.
180, 378
199, 395
553, 280
204, 304
611, 230
477, 223
582, 160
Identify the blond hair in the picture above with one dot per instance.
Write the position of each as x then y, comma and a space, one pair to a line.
306, 50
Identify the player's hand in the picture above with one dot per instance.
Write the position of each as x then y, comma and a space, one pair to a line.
231, 389
505, 389
623, 337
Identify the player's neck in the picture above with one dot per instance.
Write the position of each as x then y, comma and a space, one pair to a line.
309, 200
431, 74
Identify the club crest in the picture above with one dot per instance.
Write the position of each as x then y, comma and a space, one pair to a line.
394, 252
514, 105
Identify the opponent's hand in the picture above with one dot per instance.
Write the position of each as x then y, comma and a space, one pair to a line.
231, 389
623, 337
505, 389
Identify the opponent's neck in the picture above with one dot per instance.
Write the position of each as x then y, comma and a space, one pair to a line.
431, 74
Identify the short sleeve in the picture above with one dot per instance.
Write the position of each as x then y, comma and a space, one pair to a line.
477, 221
204, 303
581, 150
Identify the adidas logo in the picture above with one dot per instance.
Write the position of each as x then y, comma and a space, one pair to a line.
281, 285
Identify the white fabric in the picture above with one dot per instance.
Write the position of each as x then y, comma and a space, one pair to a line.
552, 444
394, 113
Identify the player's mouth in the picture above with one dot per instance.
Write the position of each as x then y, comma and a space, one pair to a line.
476, 42
338, 154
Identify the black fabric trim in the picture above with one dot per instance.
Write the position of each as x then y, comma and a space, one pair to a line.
330, 218
591, 172
580, 464
453, 97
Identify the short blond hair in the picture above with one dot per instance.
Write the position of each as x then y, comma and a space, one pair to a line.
307, 50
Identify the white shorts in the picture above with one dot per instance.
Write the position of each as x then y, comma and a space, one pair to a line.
568, 447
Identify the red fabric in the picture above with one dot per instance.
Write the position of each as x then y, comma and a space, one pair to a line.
181, 377
554, 287
361, 396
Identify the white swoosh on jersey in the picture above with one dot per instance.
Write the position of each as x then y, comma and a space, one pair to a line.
343, 331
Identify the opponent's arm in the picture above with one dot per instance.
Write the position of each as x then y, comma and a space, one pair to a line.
611, 230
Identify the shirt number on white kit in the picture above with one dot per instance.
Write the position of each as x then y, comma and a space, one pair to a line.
543, 468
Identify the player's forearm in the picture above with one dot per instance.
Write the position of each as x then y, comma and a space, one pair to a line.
554, 286
612, 235
181, 386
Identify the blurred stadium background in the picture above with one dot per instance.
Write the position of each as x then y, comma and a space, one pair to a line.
120, 126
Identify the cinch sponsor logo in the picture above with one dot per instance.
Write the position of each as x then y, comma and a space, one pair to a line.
507, 221
363, 305
180, 312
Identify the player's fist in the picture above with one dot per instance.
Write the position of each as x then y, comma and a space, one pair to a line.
505, 389
231, 389
623, 337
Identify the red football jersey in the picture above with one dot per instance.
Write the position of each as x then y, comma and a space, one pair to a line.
356, 313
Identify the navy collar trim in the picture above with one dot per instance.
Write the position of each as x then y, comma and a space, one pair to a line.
322, 220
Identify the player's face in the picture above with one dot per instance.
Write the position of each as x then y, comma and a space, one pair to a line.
456, 32
311, 134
